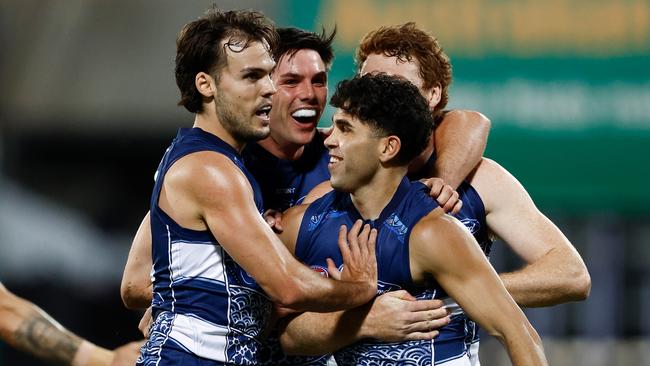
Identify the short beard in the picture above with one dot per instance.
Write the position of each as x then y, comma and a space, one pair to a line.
235, 123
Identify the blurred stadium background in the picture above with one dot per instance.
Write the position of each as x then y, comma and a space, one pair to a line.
87, 107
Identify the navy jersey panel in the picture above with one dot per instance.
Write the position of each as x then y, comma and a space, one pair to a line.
318, 234
472, 215
285, 183
317, 240
207, 304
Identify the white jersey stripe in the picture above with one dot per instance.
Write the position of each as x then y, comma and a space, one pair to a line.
211, 344
171, 272
190, 261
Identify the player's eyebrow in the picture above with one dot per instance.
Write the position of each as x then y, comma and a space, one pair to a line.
255, 70
291, 75
341, 123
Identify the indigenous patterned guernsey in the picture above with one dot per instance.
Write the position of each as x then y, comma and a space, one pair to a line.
204, 303
317, 240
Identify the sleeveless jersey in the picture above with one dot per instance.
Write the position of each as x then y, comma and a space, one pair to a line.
317, 240
285, 183
204, 303
472, 215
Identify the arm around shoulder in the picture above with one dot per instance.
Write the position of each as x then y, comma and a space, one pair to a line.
554, 272
460, 141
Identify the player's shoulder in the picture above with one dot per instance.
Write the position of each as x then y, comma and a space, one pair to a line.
319, 191
207, 172
291, 222
437, 227
294, 213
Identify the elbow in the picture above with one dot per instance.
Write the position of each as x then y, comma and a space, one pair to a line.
134, 298
288, 299
483, 123
127, 298
581, 286
289, 345
478, 120
285, 292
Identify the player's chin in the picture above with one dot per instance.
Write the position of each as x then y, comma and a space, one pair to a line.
339, 185
335, 179
303, 137
260, 133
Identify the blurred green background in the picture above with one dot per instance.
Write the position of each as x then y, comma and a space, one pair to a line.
565, 83
88, 106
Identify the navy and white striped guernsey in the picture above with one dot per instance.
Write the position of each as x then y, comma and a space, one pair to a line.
317, 240
206, 307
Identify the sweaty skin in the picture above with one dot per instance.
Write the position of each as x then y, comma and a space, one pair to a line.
440, 249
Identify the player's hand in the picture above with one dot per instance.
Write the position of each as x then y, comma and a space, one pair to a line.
444, 194
359, 260
127, 354
274, 219
397, 316
145, 322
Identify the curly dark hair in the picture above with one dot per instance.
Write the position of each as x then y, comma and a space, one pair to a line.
293, 40
390, 105
199, 47
408, 42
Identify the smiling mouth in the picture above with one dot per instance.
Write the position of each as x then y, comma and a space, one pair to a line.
263, 112
334, 159
305, 115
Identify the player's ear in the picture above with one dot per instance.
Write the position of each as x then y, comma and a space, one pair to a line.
390, 147
205, 84
434, 95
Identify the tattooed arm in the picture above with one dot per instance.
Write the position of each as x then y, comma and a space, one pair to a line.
26, 327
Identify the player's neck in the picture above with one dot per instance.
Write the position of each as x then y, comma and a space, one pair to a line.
421, 160
371, 198
282, 150
210, 123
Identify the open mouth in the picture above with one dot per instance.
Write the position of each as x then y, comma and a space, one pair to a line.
263, 111
305, 115
334, 159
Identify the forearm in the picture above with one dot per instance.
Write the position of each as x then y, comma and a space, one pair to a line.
306, 290
555, 278
460, 142
521, 351
33, 331
320, 333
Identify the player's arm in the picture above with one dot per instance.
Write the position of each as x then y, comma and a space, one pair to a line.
394, 316
136, 288
440, 247
26, 327
460, 141
224, 199
391, 317
555, 273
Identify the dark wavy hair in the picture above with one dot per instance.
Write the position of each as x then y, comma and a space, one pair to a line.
293, 40
407, 42
199, 47
390, 105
